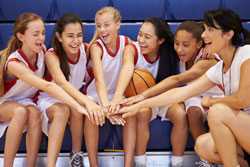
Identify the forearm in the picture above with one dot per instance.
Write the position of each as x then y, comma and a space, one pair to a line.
102, 93
234, 102
57, 92
161, 87
76, 94
123, 80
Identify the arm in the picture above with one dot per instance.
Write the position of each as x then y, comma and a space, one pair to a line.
96, 57
172, 96
240, 99
2, 63
126, 72
20, 71
193, 73
125, 75
53, 65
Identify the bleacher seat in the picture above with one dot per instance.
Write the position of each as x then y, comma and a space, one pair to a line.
189, 9
140, 9
86, 9
10, 9
239, 6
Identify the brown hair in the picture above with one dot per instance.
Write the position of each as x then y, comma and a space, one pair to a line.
20, 26
195, 28
14, 43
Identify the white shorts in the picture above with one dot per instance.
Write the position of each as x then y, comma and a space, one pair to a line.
161, 112
194, 102
25, 102
43, 104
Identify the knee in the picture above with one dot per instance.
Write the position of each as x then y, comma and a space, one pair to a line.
62, 113
20, 113
143, 118
75, 115
201, 146
34, 116
217, 113
194, 113
178, 116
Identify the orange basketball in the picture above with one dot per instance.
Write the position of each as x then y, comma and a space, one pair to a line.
141, 80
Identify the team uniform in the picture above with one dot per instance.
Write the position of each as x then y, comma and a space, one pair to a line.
111, 65
16, 89
76, 78
196, 101
229, 81
142, 62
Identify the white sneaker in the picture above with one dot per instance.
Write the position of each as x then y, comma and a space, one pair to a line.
204, 163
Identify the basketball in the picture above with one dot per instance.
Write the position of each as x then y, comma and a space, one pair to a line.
141, 80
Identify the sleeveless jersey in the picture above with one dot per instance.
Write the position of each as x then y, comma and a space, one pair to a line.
16, 89
111, 64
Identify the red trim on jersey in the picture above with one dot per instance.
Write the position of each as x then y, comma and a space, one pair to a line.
9, 84
220, 87
136, 53
78, 57
151, 61
35, 97
126, 41
100, 46
9, 60
32, 67
91, 76
117, 47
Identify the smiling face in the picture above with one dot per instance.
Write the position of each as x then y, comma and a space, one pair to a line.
186, 46
148, 40
71, 38
107, 27
215, 39
34, 36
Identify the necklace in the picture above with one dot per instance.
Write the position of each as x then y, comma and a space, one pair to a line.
230, 76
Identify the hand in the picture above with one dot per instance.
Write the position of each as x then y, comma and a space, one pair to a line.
206, 101
96, 113
83, 111
114, 106
116, 120
129, 111
132, 100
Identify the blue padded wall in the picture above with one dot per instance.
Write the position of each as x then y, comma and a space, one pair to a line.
239, 6
10, 9
189, 9
86, 9
140, 9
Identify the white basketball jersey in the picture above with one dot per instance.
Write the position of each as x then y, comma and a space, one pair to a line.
111, 64
16, 89
230, 81
77, 70
215, 91
142, 61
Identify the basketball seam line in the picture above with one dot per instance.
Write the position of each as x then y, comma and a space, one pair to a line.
143, 79
133, 84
